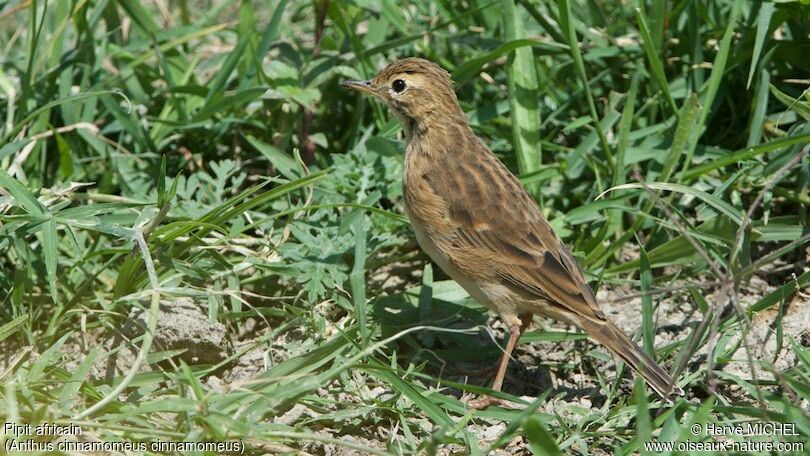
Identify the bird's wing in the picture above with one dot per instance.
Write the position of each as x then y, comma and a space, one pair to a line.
497, 232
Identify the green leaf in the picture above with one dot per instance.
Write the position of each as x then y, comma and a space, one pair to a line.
47, 359
433, 411
161, 183
282, 162
397, 42
357, 278
545, 173
645, 277
50, 255
652, 58
71, 388
746, 154
12, 327
177, 42
523, 95
568, 24
65, 158
218, 82
470, 67
140, 16
551, 336
763, 23
697, 336
223, 104
801, 107
426, 294
683, 132
757, 122
22, 195
716, 77
707, 198
270, 32
643, 424
13, 147
541, 442
679, 248
775, 297
625, 128
516, 422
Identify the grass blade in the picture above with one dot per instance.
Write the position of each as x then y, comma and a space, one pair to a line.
757, 123
763, 23
716, 77
468, 69
432, 410
683, 132
647, 325
569, 28
50, 255
12, 327
357, 277
22, 195
541, 442
523, 95
625, 127
655, 62
216, 85
746, 154
643, 422
707, 198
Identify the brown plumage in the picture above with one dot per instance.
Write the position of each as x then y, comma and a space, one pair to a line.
481, 226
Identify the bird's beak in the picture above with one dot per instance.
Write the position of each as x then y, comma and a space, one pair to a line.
361, 86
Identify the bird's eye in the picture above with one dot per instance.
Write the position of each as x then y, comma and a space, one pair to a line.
398, 85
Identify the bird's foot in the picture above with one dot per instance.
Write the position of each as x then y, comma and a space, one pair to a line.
485, 401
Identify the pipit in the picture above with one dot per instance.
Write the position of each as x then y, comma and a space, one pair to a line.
480, 225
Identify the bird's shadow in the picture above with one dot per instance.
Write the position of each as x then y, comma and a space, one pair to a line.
456, 345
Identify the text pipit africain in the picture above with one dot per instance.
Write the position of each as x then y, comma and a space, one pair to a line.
481, 226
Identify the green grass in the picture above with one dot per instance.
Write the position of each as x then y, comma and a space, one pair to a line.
165, 149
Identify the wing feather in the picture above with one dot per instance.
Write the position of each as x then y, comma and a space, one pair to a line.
494, 220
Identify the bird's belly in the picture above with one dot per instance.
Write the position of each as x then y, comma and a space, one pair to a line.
439, 257
495, 296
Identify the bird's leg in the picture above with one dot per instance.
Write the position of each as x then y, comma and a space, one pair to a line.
515, 331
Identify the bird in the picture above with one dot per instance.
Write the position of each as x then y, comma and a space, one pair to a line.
482, 227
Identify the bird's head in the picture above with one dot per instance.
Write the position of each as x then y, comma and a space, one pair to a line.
417, 90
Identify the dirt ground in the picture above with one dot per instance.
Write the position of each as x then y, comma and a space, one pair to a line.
184, 325
533, 369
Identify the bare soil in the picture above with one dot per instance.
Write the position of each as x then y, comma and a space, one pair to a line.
536, 367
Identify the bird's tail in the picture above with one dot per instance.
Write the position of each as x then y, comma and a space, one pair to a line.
607, 334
